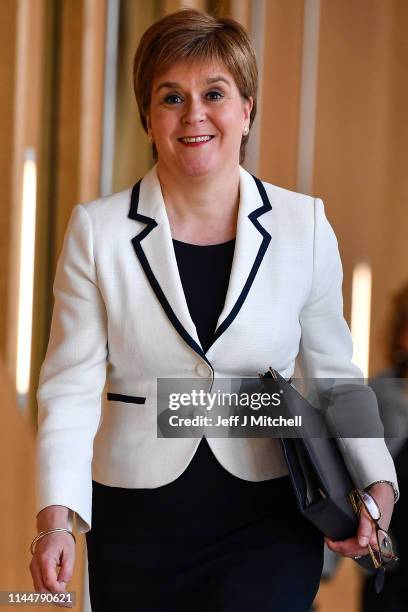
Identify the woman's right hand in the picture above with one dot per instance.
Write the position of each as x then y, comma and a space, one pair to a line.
52, 564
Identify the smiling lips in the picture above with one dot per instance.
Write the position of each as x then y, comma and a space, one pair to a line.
195, 140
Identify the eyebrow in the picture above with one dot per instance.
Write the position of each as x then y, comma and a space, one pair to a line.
210, 80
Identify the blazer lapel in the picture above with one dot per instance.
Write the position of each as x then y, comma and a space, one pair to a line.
154, 249
251, 243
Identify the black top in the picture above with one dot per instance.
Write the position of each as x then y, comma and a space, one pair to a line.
204, 273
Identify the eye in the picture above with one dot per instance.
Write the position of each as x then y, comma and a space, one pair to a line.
173, 99
214, 96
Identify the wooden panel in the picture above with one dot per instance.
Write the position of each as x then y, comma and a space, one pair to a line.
25, 127
281, 88
353, 139
45, 198
133, 157
395, 203
170, 6
67, 120
58, 151
92, 93
240, 11
8, 16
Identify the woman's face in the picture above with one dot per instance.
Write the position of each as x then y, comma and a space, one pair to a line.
197, 100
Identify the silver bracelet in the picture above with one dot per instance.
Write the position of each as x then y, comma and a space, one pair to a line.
44, 533
396, 494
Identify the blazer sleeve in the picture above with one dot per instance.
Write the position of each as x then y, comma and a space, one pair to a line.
326, 351
72, 378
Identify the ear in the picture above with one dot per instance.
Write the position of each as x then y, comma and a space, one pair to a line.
149, 129
248, 104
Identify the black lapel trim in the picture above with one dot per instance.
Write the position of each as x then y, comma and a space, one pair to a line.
151, 224
253, 216
129, 399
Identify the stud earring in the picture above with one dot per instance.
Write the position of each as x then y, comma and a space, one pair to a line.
246, 131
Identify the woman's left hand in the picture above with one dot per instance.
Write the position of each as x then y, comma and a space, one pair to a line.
357, 546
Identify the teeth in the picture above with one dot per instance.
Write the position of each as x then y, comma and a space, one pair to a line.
196, 139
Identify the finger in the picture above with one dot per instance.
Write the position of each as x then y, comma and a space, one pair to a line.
48, 567
38, 583
373, 540
336, 543
365, 530
67, 566
348, 548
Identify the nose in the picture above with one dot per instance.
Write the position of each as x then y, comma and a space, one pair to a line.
194, 112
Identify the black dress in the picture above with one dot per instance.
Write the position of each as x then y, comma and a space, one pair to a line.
208, 541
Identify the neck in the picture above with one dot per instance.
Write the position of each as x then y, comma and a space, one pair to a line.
201, 209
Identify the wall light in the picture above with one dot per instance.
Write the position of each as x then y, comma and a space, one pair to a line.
26, 275
361, 315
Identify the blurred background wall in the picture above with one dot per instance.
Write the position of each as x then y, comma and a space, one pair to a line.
331, 123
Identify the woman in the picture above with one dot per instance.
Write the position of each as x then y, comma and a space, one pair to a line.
201, 271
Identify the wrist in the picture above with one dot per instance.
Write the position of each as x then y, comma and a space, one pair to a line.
52, 517
43, 534
383, 485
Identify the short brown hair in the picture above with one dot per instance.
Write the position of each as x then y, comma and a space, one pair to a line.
190, 35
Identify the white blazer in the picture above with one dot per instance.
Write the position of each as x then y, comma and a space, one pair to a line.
121, 318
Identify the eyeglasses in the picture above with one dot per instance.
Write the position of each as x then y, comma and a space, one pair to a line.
383, 555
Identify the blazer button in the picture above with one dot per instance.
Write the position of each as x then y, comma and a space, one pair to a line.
202, 370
